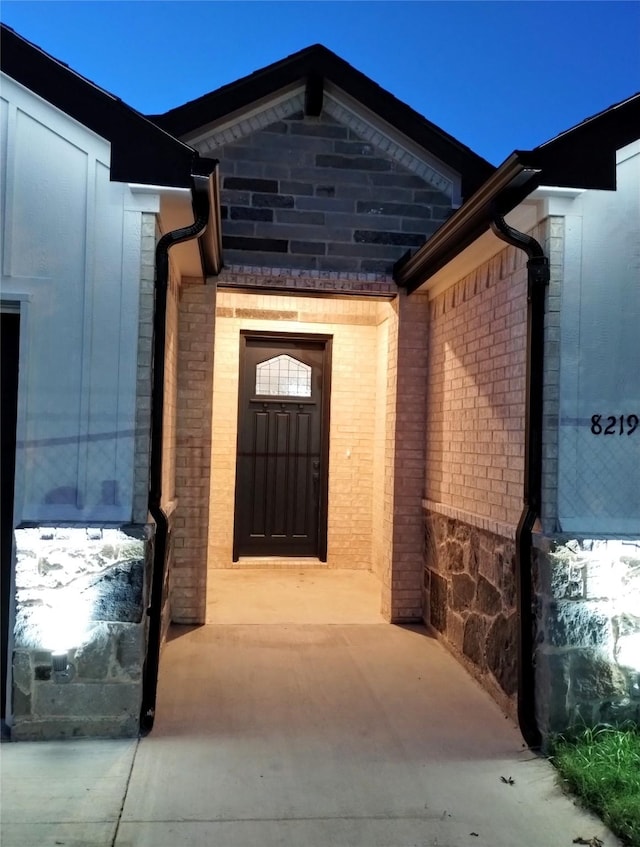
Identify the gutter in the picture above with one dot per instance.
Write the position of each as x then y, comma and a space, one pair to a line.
201, 208
537, 280
470, 221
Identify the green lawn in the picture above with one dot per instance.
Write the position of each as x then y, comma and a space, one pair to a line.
602, 766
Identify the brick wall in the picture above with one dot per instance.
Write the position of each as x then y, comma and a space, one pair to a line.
309, 193
476, 391
475, 459
409, 457
353, 325
193, 451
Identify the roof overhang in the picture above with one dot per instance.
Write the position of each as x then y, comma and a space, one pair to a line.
314, 70
142, 153
196, 258
582, 158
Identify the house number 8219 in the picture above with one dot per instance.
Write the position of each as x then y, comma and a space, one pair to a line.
615, 425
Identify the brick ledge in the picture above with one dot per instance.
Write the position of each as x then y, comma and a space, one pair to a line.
505, 530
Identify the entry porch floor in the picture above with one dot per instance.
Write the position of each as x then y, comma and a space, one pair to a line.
308, 734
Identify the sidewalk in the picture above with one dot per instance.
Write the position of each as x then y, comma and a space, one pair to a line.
304, 735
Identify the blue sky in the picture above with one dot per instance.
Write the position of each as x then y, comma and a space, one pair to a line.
498, 76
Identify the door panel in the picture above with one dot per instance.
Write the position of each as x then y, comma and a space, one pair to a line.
281, 471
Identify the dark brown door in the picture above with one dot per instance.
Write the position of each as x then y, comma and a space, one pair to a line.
281, 472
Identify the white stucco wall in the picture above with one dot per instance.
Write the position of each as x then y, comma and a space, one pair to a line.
71, 265
599, 458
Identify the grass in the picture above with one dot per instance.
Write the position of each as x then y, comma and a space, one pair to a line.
602, 766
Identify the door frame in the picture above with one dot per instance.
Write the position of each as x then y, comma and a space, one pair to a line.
325, 412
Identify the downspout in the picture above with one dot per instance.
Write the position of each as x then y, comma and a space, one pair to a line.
201, 208
537, 279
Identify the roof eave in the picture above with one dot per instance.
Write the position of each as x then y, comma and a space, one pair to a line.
319, 62
141, 152
511, 183
584, 157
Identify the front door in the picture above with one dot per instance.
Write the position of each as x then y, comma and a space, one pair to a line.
283, 438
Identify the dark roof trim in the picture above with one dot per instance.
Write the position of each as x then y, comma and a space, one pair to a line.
314, 63
140, 151
582, 157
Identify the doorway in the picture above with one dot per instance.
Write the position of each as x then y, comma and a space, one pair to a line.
283, 446
10, 341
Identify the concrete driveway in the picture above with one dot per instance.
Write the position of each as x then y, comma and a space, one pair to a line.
303, 735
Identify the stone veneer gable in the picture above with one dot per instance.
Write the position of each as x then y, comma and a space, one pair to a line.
310, 193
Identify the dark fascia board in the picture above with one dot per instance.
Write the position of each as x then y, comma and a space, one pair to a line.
317, 62
582, 157
140, 151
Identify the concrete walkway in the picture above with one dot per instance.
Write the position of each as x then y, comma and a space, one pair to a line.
308, 735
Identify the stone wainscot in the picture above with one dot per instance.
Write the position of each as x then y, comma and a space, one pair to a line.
80, 631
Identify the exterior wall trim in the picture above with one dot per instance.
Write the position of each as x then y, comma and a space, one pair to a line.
505, 530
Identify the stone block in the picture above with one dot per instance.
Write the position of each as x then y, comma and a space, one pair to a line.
471, 554
438, 606
87, 700
577, 624
93, 658
456, 630
397, 239
45, 729
594, 677
251, 184
490, 562
502, 652
488, 598
453, 555
463, 589
356, 163
247, 213
130, 651
22, 671
117, 593
622, 711
273, 201
552, 691
21, 703
473, 645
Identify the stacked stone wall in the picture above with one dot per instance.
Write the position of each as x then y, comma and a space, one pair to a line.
80, 632
587, 655
469, 586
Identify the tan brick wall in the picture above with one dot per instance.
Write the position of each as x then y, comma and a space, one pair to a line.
409, 457
196, 318
354, 327
476, 391
376, 461
381, 540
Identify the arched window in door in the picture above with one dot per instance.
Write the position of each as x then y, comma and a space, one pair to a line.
283, 376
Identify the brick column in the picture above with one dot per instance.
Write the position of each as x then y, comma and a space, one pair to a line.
409, 457
193, 452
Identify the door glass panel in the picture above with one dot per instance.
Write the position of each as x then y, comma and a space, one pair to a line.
283, 376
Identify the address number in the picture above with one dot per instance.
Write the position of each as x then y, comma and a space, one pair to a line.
614, 424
